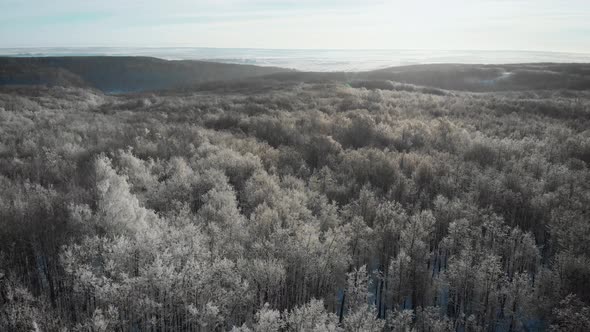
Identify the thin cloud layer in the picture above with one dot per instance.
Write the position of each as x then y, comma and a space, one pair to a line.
456, 24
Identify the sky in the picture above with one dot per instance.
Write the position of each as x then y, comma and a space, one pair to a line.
536, 25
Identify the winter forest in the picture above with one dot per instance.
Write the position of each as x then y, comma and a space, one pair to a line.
295, 205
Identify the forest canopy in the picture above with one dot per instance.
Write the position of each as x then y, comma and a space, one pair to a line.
297, 205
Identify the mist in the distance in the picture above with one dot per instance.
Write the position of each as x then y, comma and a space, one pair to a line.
310, 59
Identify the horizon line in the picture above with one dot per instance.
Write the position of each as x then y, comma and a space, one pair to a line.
295, 49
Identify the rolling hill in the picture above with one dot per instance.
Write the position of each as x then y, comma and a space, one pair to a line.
121, 74
137, 74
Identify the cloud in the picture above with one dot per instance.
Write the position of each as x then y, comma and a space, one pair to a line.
450, 24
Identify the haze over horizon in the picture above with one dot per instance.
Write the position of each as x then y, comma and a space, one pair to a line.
311, 59
455, 25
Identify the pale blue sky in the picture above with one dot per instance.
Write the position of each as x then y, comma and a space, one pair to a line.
543, 25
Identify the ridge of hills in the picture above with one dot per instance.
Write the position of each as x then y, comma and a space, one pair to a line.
124, 74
